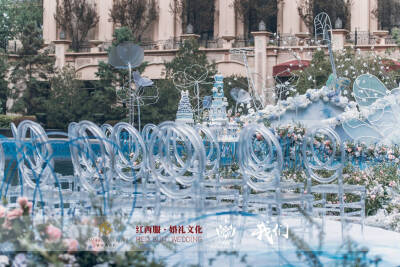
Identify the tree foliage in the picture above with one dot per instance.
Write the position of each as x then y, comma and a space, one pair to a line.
15, 15
67, 100
111, 78
3, 83
30, 73
200, 14
169, 96
137, 15
252, 12
77, 18
308, 9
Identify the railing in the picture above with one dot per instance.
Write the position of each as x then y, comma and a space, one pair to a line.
212, 43
361, 38
243, 41
390, 40
85, 47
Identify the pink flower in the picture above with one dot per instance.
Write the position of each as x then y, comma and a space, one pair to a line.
53, 232
14, 214
72, 245
392, 183
22, 201
373, 197
349, 150
2, 212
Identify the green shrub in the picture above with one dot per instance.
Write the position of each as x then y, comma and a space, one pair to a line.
17, 120
6, 120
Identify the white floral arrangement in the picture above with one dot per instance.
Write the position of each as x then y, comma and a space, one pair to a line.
326, 94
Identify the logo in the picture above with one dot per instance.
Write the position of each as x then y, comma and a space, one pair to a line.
105, 228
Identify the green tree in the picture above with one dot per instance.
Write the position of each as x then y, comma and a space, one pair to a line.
137, 15
30, 73
77, 18
186, 59
15, 15
67, 100
111, 78
3, 83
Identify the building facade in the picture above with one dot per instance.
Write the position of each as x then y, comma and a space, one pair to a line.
268, 52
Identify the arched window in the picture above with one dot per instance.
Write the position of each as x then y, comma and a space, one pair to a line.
199, 15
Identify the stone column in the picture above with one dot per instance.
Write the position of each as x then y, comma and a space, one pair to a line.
373, 20
227, 22
105, 25
272, 59
360, 13
302, 38
261, 40
381, 37
61, 48
49, 22
166, 21
279, 26
338, 39
290, 17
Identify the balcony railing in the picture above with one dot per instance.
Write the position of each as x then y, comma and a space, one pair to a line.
281, 40
361, 38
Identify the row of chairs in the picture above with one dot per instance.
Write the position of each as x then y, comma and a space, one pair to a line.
175, 165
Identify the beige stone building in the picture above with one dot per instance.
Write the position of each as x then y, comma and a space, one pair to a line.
270, 52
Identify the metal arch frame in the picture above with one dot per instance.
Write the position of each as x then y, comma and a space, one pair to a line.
190, 81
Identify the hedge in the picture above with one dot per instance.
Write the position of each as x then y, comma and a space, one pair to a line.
6, 120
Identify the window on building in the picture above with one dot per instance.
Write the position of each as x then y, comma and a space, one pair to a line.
336, 9
388, 14
200, 15
252, 12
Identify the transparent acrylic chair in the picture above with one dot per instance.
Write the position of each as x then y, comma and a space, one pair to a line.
324, 159
131, 172
219, 193
92, 160
177, 161
263, 190
35, 161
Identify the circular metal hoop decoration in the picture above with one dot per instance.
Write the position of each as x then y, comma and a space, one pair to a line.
177, 159
131, 153
34, 153
92, 166
213, 153
260, 157
323, 151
